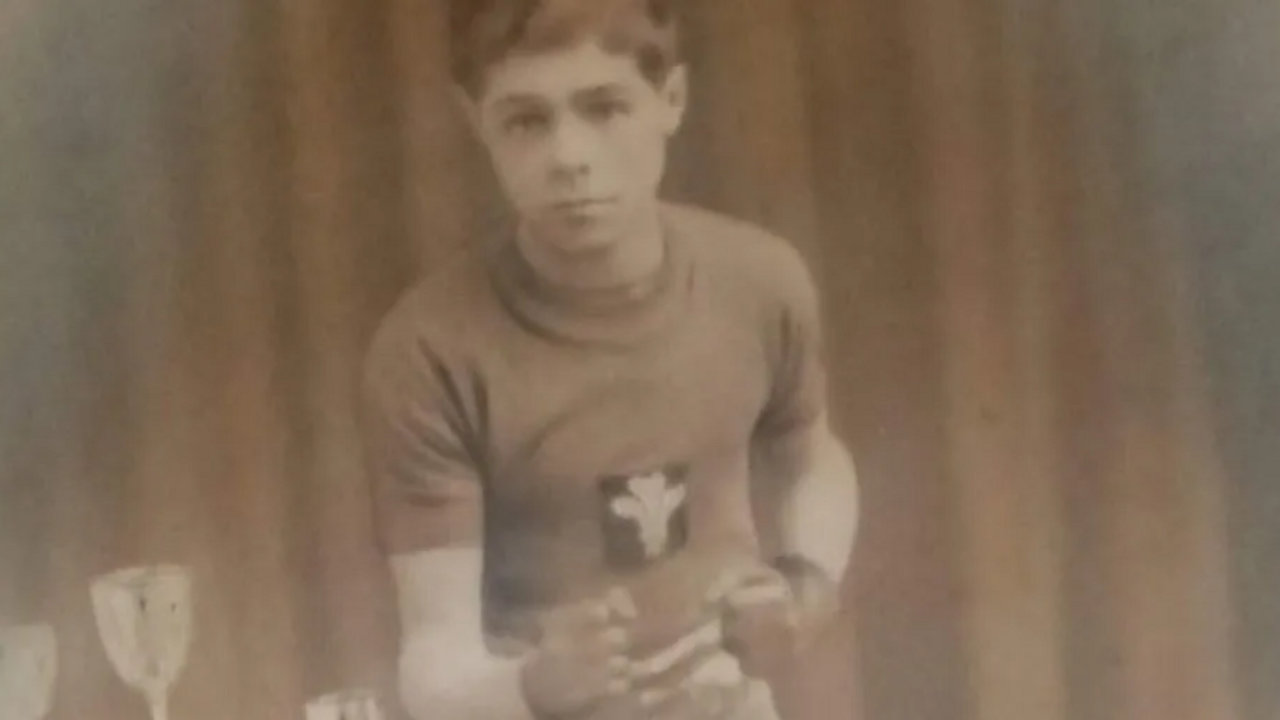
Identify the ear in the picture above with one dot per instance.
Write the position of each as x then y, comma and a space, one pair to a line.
675, 96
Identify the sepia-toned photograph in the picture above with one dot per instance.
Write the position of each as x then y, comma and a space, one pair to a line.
639, 360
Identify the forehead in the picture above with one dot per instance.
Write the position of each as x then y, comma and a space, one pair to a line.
561, 73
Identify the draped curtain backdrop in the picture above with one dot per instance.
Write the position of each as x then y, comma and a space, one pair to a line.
206, 206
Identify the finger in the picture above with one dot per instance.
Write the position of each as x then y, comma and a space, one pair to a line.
714, 703
571, 617
729, 580
710, 634
707, 692
608, 680
614, 707
620, 603
750, 619
741, 579
655, 702
591, 687
722, 670
763, 594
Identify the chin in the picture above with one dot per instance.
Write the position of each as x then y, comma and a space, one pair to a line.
585, 243
573, 238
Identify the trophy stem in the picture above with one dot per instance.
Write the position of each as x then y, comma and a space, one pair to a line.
160, 707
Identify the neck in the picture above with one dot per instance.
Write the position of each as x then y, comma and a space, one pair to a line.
627, 262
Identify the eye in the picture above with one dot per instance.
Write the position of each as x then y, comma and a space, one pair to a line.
604, 110
526, 122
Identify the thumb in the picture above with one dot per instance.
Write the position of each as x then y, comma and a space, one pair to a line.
735, 580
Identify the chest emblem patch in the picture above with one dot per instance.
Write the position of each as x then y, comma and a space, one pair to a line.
644, 516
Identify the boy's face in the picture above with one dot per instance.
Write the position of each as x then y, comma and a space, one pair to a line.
578, 139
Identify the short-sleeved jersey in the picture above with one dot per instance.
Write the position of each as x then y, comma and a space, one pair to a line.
594, 439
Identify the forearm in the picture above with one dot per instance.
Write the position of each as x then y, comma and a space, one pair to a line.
778, 613
818, 515
444, 676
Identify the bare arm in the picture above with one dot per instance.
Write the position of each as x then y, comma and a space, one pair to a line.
809, 489
808, 515
445, 670
817, 516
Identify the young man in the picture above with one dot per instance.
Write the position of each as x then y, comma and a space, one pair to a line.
566, 427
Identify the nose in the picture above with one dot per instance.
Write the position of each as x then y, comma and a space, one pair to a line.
573, 147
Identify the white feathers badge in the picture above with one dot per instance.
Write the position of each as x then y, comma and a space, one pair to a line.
649, 502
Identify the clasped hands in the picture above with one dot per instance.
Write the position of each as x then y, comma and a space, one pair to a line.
757, 623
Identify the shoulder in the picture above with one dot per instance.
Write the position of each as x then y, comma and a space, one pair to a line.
746, 258
433, 319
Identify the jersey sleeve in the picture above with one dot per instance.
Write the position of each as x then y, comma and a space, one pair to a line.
420, 453
797, 399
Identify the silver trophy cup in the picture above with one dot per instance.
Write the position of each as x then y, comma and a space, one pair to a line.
144, 621
28, 668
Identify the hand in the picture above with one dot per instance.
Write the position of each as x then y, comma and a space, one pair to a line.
693, 678
772, 614
580, 661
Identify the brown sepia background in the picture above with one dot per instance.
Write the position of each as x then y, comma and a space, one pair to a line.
1043, 230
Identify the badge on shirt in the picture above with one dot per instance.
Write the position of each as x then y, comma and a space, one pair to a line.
644, 517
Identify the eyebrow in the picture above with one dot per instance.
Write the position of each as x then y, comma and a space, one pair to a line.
517, 100
597, 92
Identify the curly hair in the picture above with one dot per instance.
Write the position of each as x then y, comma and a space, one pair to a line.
484, 32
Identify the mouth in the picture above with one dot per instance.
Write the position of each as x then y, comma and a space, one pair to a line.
582, 205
